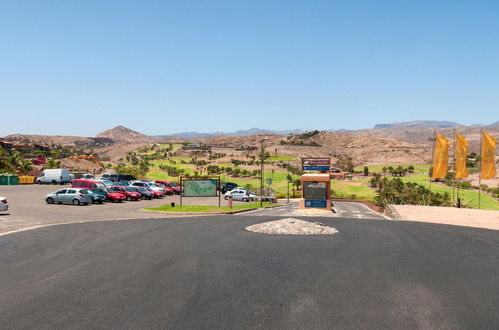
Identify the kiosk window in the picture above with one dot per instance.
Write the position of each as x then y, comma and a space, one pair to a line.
314, 190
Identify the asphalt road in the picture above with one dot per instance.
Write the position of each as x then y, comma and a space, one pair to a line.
209, 273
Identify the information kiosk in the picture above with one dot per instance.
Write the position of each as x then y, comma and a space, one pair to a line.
316, 191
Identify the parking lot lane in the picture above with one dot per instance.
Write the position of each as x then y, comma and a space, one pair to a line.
28, 209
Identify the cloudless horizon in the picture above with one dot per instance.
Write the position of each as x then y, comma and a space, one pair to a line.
161, 67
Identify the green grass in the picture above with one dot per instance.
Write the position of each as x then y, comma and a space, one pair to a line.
347, 188
207, 208
283, 158
467, 196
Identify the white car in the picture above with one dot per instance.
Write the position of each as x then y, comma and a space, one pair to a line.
238, 195
4, 206
253, 196
151, 185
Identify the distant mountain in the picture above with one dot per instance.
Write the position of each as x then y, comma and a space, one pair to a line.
495, 123
419, 123
251, 131
123, 134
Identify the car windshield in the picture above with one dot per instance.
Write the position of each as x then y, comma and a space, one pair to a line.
85, 191
129, 189
173, 184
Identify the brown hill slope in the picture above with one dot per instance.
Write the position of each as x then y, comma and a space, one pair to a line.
123, 134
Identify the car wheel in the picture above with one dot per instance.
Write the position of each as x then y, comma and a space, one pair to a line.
111, 200
50, 200
245, 199
76, 201
85, 203
129, 198
225, 197
54, 182
120, 201
39, 182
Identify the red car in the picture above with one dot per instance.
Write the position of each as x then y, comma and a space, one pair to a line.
156, 194
171, 186
128, 192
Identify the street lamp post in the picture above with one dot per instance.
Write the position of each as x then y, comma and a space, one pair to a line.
261, 171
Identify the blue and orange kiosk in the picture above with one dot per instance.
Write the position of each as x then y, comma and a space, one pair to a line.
316, 187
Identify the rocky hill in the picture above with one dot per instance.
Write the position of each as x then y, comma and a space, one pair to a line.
123, 134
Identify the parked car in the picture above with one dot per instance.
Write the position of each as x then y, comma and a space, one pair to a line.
146, 194
55, 176
75, 196
175, 187
253, 196
167, 188
227, 186
110, 177
4, 206
238, 195
149, 185
110, 195
88, 176
86, 183
97, 198
129, 193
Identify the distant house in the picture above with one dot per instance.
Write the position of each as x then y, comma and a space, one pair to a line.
6, 145
338, 174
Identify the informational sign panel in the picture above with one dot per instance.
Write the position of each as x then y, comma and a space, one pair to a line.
316, 164
200, 188
314, 190
316, 203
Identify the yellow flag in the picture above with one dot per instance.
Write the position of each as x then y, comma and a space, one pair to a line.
461, 156
488, 156
440, 157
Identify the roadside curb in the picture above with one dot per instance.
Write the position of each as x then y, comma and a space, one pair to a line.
215, 213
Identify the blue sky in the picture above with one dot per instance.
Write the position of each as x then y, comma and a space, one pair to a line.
158, 67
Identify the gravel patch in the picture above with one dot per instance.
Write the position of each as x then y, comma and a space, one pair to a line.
291, 226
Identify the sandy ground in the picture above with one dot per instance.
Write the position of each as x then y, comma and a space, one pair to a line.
449, 215
491, 183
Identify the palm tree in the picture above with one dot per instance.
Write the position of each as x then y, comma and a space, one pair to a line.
25, 166
52, 163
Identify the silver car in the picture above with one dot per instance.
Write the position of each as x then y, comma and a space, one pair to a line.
75, 196
4, 206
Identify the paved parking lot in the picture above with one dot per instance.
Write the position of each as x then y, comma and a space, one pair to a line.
27, 208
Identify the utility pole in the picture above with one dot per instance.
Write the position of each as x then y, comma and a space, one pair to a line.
287, 179
261, 171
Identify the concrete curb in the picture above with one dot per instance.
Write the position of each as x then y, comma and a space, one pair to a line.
215, 213
392, 213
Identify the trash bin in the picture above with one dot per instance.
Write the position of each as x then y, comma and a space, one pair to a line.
13, 180
4, 180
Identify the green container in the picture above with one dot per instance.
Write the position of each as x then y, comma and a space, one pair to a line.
4, 180
13, 180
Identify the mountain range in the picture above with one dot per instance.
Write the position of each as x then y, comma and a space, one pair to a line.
246, 132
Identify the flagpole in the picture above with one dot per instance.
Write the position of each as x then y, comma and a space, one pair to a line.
432, 156
454, 176
480, 170
432, 159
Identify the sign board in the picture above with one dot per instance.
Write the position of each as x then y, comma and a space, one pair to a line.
200, 188
316, 203
316, 164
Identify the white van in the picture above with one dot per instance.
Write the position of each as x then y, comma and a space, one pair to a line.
55, 176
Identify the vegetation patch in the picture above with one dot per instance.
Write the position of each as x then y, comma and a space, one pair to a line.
208, 208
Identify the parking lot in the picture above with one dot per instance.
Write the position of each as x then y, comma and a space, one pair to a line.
27, 208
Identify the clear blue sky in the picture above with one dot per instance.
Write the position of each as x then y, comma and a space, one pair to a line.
80, 67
